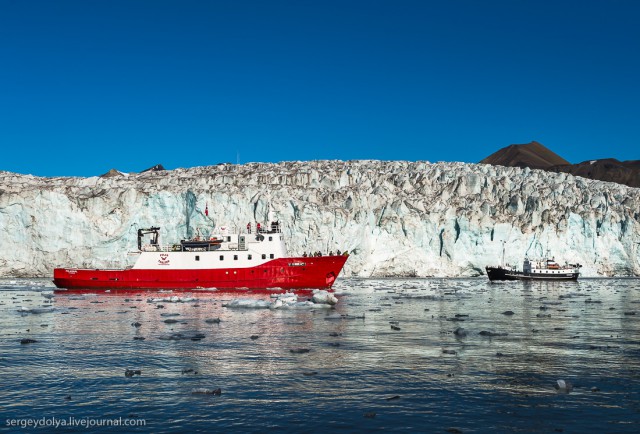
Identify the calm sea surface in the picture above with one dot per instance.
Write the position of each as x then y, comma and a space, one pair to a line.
385, 358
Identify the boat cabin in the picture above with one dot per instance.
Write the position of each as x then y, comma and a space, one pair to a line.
222, 249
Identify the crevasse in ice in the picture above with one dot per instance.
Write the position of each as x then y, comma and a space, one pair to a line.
396, 218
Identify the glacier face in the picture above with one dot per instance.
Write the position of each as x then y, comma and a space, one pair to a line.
397, 218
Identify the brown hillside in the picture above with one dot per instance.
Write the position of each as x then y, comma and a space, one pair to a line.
536, 156
610, 169
533, 155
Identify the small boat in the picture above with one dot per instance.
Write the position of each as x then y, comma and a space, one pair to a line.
238, 261
538, 269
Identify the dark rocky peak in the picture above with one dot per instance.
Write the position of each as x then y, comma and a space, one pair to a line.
156, 168
111, 173
533, 155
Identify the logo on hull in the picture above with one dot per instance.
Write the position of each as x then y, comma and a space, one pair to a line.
164, 259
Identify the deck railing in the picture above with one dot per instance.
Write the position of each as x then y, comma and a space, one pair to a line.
221, 233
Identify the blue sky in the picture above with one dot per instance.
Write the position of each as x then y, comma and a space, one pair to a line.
86, 86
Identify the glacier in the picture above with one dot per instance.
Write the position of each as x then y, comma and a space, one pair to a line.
397, 218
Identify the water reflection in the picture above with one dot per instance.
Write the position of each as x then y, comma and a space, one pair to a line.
390, 347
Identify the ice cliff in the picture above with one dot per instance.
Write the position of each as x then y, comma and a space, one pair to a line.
397, 218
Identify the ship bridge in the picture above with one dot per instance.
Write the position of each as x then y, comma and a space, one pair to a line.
222, 249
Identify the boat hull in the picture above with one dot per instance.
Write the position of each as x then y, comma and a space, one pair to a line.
500, 273
547, 277
284, 274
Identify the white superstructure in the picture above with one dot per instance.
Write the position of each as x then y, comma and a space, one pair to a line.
222, 250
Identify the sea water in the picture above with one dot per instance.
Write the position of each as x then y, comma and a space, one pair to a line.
418, 355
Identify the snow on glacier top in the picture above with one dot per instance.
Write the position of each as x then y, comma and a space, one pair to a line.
397, 217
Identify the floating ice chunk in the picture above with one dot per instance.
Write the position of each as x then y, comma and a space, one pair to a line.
290, 301
286, 300
563, 386
324, 297
36, 310
174, 299
319, 305
277, 304
280, 301
47, 294
297, 305
248, 303
283, 300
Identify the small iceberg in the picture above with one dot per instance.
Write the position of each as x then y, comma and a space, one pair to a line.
36, 310
321, 296
563, 386
248, 303
288, 300
174, 299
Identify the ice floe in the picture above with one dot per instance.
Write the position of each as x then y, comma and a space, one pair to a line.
36, 310
321, 299
173, 299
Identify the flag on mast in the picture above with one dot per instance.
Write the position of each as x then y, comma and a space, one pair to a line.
206, 209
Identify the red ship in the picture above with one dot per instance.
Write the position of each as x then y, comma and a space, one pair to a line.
239, 261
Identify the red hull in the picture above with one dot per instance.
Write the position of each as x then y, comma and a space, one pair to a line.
283, 273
